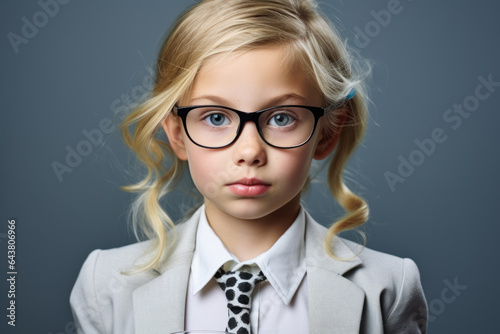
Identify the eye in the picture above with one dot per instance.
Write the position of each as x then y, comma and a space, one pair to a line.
217, 119
281, 119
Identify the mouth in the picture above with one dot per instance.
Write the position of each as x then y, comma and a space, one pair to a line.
250, 182
249, 187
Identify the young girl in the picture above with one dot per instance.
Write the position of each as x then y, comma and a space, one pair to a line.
248, 92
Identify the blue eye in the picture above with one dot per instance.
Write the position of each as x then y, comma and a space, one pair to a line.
217, 119
281, 120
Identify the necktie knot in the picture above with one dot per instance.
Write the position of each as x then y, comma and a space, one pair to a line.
238, 287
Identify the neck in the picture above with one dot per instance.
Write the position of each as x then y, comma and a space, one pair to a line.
248, 238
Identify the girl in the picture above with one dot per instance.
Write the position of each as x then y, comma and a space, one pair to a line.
248, 92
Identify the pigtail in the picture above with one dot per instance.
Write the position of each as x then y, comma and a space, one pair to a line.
149, 220
337, 75
356, 208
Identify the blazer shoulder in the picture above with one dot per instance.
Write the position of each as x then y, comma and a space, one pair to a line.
102, 297
126, 257
394, 284
106, 266
373, 262
394, 298
386, 267
103, 288
120, 258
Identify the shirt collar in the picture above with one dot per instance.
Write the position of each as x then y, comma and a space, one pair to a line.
283, 264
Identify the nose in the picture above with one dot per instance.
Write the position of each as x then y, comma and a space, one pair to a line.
250, 149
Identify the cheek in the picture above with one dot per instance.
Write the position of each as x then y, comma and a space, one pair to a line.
207, 169
295, 166
199, 171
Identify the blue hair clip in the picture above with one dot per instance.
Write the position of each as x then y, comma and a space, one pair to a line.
339, 104
351, 94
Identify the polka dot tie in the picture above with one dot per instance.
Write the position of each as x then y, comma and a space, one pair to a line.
238, 287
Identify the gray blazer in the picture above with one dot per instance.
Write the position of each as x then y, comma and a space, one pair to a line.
372, 293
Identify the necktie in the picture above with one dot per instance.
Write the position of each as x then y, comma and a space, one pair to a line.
238, 287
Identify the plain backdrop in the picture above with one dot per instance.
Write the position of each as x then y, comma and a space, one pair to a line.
82, 65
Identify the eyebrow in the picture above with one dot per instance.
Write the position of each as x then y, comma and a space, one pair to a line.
277, 100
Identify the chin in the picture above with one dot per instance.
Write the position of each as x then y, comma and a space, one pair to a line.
252, 208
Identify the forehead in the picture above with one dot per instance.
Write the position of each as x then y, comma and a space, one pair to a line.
257, 75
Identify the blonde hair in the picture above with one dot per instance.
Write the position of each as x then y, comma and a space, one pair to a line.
214, 27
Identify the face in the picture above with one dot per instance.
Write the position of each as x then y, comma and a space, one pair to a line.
249, 179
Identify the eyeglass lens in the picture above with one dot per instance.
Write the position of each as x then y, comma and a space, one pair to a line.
280, 127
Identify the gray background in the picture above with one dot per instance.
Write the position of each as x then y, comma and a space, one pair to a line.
90, 61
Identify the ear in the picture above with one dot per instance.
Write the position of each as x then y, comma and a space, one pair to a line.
327, 142
173, 128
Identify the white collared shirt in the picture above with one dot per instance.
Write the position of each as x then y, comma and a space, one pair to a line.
279, 305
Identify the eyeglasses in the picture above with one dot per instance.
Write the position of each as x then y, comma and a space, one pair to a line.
287, 126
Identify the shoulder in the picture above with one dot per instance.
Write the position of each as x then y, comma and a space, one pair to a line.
104, 269
109, 266
104, 264
102, 289
394, 297
368, 261
120, 258
125, 258
382, 265
109, 270
102, 295
392, 287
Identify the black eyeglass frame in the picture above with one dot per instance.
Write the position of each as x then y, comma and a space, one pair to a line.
244, 117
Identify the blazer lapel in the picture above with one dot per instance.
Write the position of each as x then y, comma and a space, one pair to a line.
159, 305
335, 303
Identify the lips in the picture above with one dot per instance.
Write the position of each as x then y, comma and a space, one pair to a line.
249, 187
